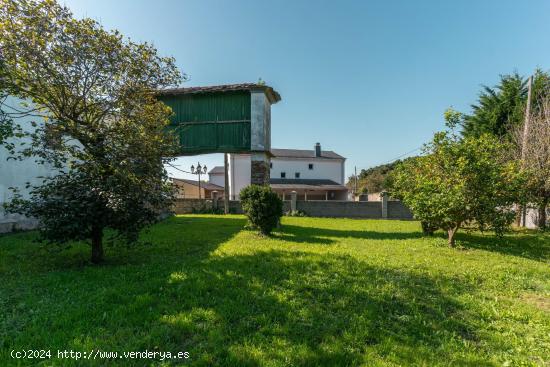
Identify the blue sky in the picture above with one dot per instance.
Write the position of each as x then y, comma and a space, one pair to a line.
367, 79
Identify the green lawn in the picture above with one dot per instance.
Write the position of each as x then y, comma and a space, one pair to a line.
319, 292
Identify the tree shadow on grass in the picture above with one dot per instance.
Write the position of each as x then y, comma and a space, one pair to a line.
532, 245
172, 238
303, 309
315, 235
267, 308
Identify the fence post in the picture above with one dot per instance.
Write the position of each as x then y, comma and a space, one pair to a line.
214, 200
384, 198
293, 201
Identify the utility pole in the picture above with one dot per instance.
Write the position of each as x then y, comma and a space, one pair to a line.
355, 187
522, 209
527, 119
226, 183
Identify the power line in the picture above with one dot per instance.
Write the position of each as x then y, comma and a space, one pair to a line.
396, 158
402, 155
179, 169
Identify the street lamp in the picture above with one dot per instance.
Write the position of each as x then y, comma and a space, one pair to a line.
200, 170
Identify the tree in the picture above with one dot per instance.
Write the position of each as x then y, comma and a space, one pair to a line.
460, 182
497, 108
262, 207
7, 127
534, 148
501, 109
374, 179
92, 94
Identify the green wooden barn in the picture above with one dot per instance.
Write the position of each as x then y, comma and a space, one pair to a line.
232, 118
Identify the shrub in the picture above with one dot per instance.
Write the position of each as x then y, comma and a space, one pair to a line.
296, 213
262, 207
461, 182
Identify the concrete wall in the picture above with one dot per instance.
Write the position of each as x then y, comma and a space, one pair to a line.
343, 209
189, 206
531, 218
15, 173
397, 210
320, 208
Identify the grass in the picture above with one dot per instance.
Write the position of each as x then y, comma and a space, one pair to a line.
318, 292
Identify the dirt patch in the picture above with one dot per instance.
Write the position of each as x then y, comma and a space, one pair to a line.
537, 300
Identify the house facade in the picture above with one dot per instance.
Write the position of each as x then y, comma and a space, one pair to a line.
216, 176
313, 174
189, 189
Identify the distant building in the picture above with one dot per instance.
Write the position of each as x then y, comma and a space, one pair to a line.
216, 176
313, 174
189, 189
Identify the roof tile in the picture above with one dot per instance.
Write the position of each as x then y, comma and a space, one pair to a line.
272, 94
304, 153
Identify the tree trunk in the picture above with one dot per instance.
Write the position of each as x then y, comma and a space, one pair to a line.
451, 233
97, 245
542, 214
519, 214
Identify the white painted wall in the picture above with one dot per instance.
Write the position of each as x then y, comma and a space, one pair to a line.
239, 170
14, 173
239, 174
326, 169
217, 179
532, 218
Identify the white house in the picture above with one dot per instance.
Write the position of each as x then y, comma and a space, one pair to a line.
313, 174
216, 176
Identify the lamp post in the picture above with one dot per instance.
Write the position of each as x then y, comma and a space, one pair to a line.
200, 170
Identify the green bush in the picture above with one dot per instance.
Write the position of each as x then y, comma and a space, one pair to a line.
262, 207
296, 213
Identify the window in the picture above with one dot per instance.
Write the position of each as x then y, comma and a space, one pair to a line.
270, 164
297, 175
283, 174
310, 166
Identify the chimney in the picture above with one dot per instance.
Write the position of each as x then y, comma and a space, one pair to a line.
317, 149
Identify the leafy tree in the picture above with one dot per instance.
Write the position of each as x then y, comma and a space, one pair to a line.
500, 109
7, 127
497, 108
460, 182
453, 118
262, 206
374, 179
534, 149
92, 91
